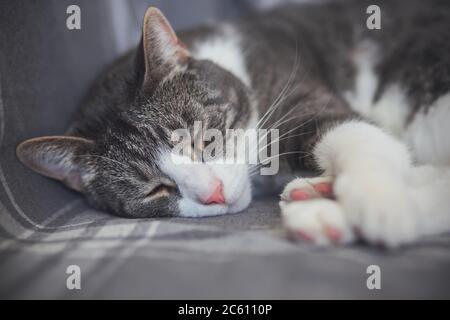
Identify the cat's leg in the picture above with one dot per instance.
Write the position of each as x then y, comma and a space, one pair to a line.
431, 196
370, 170
374, 183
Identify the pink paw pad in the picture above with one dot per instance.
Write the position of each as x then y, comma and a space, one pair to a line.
299, 234
333, 234
324, 188
298, 194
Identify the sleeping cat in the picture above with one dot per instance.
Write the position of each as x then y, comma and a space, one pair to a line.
367, 110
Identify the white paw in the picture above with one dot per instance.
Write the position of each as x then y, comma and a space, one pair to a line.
378, 205
321, 221
307, 188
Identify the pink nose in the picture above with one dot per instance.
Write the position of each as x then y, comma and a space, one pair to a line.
217, 196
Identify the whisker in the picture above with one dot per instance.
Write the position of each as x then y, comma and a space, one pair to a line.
284, 138
280, 155
309, 120
293, 129
276, 103
267, 132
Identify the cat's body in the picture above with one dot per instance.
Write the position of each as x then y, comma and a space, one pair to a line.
317, 74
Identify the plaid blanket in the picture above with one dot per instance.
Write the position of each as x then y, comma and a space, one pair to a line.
45, 228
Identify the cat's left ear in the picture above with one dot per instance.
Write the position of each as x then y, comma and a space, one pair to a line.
58, 157
163, 51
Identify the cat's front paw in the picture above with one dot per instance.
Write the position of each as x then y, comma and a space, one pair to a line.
320, 221
378, 206
308, 188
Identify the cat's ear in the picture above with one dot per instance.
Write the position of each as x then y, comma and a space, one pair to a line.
57, 157
162, 50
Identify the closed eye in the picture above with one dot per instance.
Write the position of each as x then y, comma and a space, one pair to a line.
160, 190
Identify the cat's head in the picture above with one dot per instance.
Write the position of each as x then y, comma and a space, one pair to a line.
128, 166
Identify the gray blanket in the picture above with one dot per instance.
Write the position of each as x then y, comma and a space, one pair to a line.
44, 228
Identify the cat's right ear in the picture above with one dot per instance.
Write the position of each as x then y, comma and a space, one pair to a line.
58, 157
162, 51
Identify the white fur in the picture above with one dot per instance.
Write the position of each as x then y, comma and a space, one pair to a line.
430, 190
377, 188
313, 217
428, 135
366, 82
369, 169
225, 50
391, 110
196, 181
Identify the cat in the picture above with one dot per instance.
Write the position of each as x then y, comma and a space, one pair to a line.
367, 110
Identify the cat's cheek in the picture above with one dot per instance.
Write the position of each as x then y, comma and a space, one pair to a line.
242, 202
